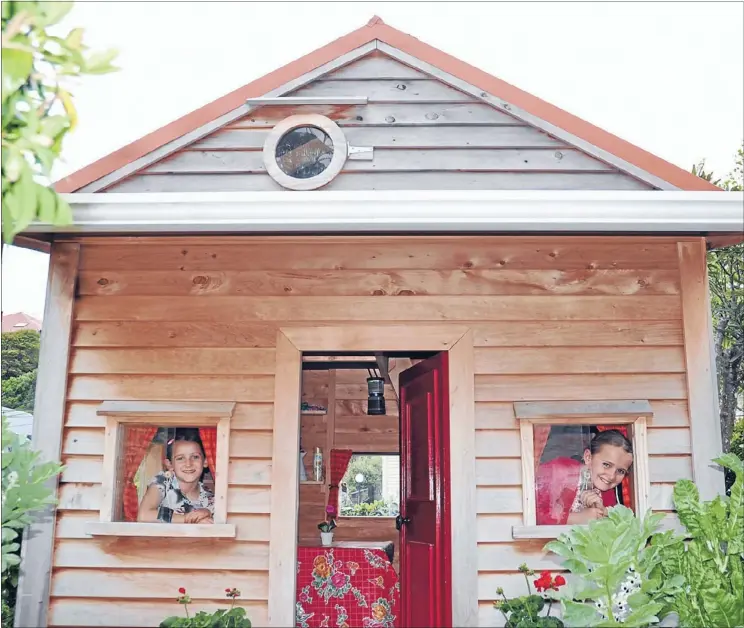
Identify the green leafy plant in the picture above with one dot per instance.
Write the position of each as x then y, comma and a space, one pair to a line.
712, 560
378, 508
524, 611
223, 618
327, 526
24, 490
616, 574
37, 107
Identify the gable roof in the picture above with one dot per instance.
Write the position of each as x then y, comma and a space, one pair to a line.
20, 321
377, 30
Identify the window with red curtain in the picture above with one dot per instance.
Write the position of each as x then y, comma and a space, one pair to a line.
137, 439
338, 464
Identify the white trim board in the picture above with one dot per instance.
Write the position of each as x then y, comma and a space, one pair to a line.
540, 212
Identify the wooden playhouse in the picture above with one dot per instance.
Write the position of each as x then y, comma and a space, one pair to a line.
373, 205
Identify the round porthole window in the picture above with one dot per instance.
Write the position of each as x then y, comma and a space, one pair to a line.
305, 152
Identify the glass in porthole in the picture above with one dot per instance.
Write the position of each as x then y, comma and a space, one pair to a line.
304, 152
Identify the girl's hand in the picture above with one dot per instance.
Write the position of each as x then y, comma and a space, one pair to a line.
592, 499
197, 516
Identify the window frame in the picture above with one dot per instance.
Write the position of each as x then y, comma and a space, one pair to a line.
340, 151
158, 413
634, 413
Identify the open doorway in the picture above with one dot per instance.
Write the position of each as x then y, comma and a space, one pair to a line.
374, 461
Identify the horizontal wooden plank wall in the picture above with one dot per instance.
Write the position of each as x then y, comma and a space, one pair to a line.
187, 318
355, 430
425, 135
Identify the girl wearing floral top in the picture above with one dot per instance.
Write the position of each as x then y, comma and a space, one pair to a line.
177, 495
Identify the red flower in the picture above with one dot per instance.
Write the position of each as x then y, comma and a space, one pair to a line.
182, 591
546, 581
227, 590
559, 581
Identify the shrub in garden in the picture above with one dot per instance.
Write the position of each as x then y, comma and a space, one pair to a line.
223, 618
524, 611
616, 574
712, 560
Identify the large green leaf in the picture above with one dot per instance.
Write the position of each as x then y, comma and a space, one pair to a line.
17, 66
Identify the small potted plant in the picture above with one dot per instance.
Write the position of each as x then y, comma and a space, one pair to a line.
326, 531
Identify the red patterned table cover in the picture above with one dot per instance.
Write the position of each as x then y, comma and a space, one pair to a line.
343, 587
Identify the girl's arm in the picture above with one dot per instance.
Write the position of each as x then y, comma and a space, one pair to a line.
148, 508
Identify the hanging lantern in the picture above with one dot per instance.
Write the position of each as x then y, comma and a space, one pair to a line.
376, 395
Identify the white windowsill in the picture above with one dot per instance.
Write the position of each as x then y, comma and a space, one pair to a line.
539, 532
172, 530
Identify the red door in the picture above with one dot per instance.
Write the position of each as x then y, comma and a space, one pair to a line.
424, 519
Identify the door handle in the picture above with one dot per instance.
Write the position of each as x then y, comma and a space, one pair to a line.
399, 521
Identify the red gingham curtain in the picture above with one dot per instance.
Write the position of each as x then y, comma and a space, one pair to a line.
137, 440
626, 480
208, 437
541, 434
339, 463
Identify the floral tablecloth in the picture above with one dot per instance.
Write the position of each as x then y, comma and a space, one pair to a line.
341, 587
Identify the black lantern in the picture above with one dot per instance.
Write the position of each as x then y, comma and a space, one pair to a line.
376, 395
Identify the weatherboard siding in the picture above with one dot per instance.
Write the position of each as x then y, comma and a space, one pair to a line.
195, 318
424, 133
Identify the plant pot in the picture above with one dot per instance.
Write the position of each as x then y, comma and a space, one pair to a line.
326, 538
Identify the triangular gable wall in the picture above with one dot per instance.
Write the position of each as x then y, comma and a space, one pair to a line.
424, 134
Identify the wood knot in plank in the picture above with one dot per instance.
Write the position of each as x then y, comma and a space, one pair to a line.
406, 293
103, 281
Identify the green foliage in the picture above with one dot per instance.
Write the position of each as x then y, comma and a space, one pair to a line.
378, 508
370, 466
223, 618
737, 439
19, 392
524, 611
616, 572
37, 108
712, 561
23, 490
20, 352
233, 618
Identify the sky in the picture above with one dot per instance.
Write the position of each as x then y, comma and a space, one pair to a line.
666, 76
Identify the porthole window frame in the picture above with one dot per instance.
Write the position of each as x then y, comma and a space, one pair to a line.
328, 126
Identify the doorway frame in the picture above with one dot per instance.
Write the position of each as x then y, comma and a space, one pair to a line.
457, 340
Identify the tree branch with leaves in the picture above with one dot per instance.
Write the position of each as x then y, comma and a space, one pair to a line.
37, 108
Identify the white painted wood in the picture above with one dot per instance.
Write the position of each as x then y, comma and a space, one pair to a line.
464, 544
580, 409
381, 90
172, 530
196, 134
376, 66
308, 100
527, 442
112, 447
702, 387
539, 532
167, 408
222, 470
268, 155
429, 210
521, 114
394, 136
32, 602
285, 483
641, 482
387, 160
408, 181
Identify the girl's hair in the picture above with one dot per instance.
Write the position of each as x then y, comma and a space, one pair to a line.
190, 436
610, 437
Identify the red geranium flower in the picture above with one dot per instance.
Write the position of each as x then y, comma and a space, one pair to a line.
182, 591
559, 581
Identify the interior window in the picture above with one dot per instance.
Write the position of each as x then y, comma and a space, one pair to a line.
165, 474
580, 471
371, 486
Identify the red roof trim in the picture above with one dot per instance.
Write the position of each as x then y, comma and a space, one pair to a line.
377, 29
